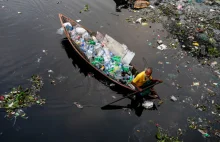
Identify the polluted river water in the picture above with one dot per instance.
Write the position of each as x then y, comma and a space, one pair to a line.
30, 45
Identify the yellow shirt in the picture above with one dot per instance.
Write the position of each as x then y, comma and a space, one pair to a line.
141, 78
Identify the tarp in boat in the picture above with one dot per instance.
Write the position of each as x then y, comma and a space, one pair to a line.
118, 49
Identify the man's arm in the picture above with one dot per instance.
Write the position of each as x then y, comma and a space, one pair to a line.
139, 89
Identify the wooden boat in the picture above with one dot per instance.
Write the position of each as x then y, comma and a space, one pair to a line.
64, 19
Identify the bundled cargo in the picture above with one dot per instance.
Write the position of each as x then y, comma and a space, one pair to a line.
103, 52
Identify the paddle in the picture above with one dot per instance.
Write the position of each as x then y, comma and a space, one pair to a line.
132, 94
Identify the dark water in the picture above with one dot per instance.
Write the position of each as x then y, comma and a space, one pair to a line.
23, 38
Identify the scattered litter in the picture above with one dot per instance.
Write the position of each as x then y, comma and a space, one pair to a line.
213, 101
19, 12
148, 104
173, 98
50, 71
211, 10
168, 63
205, 134
217, 134
3, 6
195, 84
215, 84
38, 60
139, 20
53, 82
196, 44
162, 47
44, 51
112, 84
161, 63
78, 20
138, 131
113, 97
144, 24
78, 105
159, 42
201, 107
213, 64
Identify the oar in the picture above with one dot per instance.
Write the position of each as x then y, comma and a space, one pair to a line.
132, 94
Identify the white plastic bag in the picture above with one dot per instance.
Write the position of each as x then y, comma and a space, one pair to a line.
67, 23
148, 104
85, 35
60, 31
80, 30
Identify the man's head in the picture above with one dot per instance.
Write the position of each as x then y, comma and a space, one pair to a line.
148, 71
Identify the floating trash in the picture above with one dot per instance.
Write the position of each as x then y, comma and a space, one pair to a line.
195, 84
50, 71
78, 105
162, 47
173, 98
78, 20
113, 97
148, 104
19, 98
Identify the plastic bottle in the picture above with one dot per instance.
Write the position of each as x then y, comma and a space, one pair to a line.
91, 42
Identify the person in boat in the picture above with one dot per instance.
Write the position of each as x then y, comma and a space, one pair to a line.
143, 80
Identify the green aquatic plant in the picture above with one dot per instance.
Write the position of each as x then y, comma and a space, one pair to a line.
19, 97
164, 137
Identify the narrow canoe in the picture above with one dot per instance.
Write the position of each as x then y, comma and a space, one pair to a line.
64, 19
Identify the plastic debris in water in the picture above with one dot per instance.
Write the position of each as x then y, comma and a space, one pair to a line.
78, 105
215, 84
78, 20
217, 134
195, 84
144, 24
159, 41
204, 133
148, 104
44, 51
213, 64
139, 20
53, 82
50, 71
173, 98
162, 47
38, 60
161, 63
112, 84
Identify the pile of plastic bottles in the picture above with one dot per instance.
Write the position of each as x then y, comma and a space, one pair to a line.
99, 55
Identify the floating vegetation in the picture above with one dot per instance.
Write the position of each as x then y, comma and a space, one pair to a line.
162, 136
86, 8
19, 98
